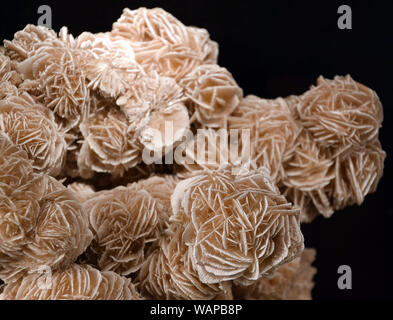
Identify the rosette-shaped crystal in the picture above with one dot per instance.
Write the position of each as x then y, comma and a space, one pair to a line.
104, 110
291, 281
123, 220
33, 128
237, 227
150, 92
7, 72
212, 94
76, 283
61, 232
163, 44
168, 273
321, 180
340, 112
23, 44
309, 167
42, 224
57, 65
337, 159
306, 177
156, 113
174, 61
357, 174
273, 131
143, 25
199, 41
111, 67
109, 144
7, 89
15, 166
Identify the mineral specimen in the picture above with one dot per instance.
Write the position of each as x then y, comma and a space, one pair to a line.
132, 166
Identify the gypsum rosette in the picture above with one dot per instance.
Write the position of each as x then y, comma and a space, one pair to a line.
22, 46
154, 106
162, 43
237, 227
9, 78
42, 224
307, 173
291, 281
212, 95
357, 174
126, 221
7, 89
15, 167
76, 283
55, 67
111, 67
272, 131
340, 112
152, 119
169, 274
329, 171
32, 127
108, 145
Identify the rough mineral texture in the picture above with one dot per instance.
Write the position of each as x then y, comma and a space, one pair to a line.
237, 227
273, 131
15, 167
111, 65
151, 105
42, 224
22, 46
314, 143
337, 159
123, 221
9, 78
209, 149
33, 128
340, 112
76, 283
133, 166
56, 66
291, 281
127, 220
169, 273
212, 93
108, 146
81, 191
163, 44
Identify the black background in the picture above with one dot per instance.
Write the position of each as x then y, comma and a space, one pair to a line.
278, 48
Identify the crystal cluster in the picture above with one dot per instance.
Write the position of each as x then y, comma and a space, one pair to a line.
84, 215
